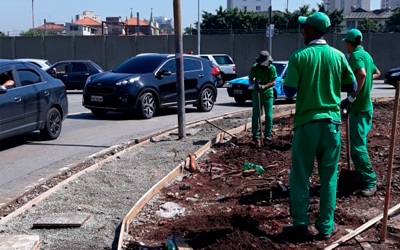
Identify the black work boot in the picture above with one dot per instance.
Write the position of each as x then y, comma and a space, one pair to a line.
296, 234
320, 236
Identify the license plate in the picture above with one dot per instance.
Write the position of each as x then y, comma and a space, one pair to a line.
237, 92
96, 98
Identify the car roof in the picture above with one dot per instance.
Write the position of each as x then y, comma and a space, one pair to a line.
282, 62
31, 59
64, 61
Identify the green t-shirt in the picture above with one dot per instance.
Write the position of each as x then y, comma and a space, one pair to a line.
317, 72
264, 75
361, 59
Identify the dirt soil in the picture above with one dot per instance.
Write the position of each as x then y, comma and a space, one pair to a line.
228, 208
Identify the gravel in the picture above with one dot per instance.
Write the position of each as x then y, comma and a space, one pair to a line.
108, 193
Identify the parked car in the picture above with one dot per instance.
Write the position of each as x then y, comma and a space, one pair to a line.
74, 73
147, 82
35, 101
392, 76
225, 63
41, 63
241, 89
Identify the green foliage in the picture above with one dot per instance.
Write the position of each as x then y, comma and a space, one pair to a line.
368, 26
393, 24
235, 21
2, 34
31, 32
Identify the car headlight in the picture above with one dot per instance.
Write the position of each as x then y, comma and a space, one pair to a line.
128, 81
395, 74
88, 79
230, 85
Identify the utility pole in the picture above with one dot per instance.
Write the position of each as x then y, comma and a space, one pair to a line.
33, 17
198, 27
269, 27
180, 87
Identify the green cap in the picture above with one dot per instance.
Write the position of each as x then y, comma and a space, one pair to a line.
353, 35
319, 20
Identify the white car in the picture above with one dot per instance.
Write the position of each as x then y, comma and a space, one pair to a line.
41, 63
225, 63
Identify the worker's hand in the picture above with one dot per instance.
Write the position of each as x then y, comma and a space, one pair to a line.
261, 86
345, 104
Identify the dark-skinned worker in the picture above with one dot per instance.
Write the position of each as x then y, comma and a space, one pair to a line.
262, 76
318, 73
360, 109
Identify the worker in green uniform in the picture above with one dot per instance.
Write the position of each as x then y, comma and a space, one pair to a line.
318, 73
360, 106
262, 76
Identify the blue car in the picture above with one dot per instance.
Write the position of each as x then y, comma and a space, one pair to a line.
241, 89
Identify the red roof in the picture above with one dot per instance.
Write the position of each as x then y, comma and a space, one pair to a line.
133, 22
87, 21
51, 26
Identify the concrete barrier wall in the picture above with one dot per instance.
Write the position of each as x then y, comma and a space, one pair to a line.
110, 51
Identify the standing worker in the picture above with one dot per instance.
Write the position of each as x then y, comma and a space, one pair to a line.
318, 73
360, 106
262, 76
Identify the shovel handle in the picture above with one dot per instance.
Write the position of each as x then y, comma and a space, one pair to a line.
348, 142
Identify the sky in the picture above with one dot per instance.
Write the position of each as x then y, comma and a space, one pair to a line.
16, 15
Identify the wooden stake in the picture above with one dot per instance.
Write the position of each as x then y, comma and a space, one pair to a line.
360, 229
223, 130
390, 168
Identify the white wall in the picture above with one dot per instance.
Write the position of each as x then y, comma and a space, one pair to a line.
249, 5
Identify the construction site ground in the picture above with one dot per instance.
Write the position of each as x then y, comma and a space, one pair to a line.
221, 206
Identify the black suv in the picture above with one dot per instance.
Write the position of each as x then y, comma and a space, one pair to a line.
73, 73
147, 82
392, 76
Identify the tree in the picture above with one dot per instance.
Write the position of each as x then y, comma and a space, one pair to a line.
368, 26
394, 22
31, 32
2, 34
336, 18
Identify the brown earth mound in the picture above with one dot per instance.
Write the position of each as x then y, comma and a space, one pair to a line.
228, 208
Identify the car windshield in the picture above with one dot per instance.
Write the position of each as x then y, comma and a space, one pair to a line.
279, 68
47, 63
139, 65
223, 60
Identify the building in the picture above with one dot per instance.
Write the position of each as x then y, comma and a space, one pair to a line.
392, 4
114, 26
51, 29
379, 17
84, 27
88, 14
249, 5
347, 5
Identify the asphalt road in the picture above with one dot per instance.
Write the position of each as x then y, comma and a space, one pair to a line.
27, 158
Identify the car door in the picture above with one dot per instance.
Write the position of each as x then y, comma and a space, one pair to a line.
167, 83
11, 105
36, 93
78, 74
193, 74
60, 71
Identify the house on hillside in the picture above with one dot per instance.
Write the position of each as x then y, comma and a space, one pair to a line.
379, 17
135, 26
51, 29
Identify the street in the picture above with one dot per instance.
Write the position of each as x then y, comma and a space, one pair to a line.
27, 158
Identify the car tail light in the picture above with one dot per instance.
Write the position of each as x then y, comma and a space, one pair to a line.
215, 71
234, 68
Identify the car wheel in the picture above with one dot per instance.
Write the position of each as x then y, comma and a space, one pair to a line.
53, 124
99, 112
240, 100
147, 105
206, 100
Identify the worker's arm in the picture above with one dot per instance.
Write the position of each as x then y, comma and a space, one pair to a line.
376, 74
361, 75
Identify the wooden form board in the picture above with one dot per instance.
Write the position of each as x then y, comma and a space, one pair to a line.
361, 228
61, 220
364, 244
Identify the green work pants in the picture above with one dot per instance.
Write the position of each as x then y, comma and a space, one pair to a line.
319, 139
360, 125
267, 103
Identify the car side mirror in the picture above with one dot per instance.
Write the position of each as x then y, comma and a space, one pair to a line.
3, 89
164, 73
52, 71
